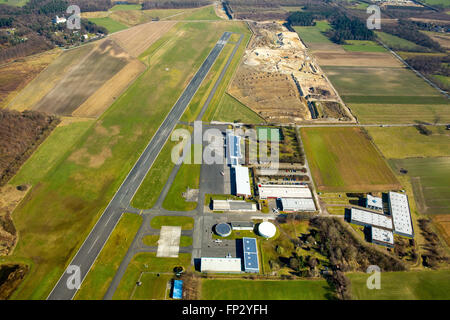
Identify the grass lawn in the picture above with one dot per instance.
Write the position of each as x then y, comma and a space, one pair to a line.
232, 110
369, 81
398, 43
205, 13
429, 178
399, 113
344, 159
419, 285
363, 46
187, 177
154, 182
186, 223
265, 290
443, 3
152, 241
50, 152
147, 262
108, 23
407, 142
17, 3
59, 212
98, 279
153, 287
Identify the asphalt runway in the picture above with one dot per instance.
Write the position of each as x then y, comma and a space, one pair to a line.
92, 246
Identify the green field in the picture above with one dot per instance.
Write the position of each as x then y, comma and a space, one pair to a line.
344, 159
367, 81
148, 262
17, 3
396, 100
429, 178
440, 3
154, 287
421, 285
186, 223
231, 110
398, 43
59, 212
153, 184
311, 35
206, 13
98, 279
187, 177
265, 290
126, 7
407, 142
363, 46
50, 152
152, 241
108, 23
400, 113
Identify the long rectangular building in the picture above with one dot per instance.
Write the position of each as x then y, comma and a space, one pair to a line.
251, 261
234, 205
233, 146
401, 214
242, 179
221, 265
368, 218
297, 204
276, 191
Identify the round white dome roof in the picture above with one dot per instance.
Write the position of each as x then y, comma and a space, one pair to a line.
267, 229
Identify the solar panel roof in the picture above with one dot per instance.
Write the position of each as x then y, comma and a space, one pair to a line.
251, 261
249, 245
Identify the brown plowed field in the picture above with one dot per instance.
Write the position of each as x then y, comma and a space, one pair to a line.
357, 59
137, 39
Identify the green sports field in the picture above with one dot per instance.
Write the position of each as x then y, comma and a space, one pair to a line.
265, 290
420, 285
429, 178
344, 159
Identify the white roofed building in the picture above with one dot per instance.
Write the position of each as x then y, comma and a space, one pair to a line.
221, 265
242, 179
297, 204
275, 191
367, 218
374, 203
401, 214
382, 237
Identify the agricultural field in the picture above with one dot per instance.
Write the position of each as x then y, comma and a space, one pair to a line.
231, 110
144, 263
408, 142
429, 178
353, 164
398, 43
97, 281
363, 46
205, 13
58, 213
18, 3
417, 285
215, 289
16, 75
441, 3
366, 81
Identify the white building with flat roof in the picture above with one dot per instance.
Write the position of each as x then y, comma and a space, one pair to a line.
401, 214
374, 203
276, 191
221, 265
234, 205
367, 218
297, 204
233, 147
242, 179
382, 237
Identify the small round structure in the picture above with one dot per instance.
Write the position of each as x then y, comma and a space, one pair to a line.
223, 229
267, 230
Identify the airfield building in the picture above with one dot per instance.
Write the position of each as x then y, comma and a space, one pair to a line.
382, 237
401, 214
234, 205
251, 261
374, 203
297, 204
242, 226
233, 146
242, 181
368, 218
221, 265
274, 191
